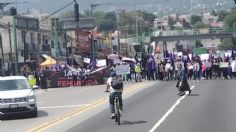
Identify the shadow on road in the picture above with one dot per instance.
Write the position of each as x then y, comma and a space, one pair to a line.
132, 122
194, 95
22, 117
42, 113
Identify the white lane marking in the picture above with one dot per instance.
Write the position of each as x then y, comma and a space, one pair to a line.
40, 102
169, 112
67, 106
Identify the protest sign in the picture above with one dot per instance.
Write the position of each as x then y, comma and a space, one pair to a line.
122, 69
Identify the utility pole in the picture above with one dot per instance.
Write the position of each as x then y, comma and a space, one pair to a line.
15, 46
56, 37
136, 20
9, 31
3, 61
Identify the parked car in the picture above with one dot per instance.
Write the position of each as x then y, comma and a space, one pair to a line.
17, 97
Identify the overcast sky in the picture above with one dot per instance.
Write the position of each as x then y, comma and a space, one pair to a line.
52, 5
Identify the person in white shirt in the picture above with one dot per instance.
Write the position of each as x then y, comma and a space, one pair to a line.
113, 93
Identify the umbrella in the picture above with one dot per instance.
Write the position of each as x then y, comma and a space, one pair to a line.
128, 60
113, 56
48, 63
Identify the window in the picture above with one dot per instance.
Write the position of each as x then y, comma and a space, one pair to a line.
6, 85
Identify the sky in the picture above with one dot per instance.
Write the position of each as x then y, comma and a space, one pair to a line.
50, 6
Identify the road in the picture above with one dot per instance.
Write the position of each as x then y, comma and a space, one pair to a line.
148, 107
59, 103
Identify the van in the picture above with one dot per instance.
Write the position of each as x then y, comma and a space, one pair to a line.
17, 97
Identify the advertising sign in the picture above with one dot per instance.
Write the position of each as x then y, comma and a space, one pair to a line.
82, 39
85, 24
27, 23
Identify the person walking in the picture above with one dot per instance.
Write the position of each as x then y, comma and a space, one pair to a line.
204, 70
75, 76
183, 86
44, 78
138, 73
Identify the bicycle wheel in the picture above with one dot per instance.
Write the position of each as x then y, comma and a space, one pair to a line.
118, 118
117, 110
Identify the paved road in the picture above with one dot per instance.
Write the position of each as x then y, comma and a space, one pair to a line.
210, 108
148, 107
59, 103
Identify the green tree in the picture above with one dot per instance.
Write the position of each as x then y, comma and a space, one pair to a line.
221, 15
171, 22
186, 24
106, 21
200, 25
230, 22
194, 19
198, 44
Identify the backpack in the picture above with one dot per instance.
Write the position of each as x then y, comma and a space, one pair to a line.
116, 83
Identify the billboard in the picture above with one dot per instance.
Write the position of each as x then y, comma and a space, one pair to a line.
83, 41
84, 24
27, 23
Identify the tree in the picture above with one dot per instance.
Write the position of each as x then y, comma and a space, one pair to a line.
68, 14
198, 44
221, 15
213, 12
106, 21
186, 24
171, 22
200, 25
195, 19
230, 22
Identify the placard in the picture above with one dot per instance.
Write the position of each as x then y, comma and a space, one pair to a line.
224, 64
122, 69
208, 64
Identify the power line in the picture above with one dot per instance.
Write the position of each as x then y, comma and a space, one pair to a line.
54, 13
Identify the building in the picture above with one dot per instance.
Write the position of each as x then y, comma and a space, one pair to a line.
161, 24
31, 40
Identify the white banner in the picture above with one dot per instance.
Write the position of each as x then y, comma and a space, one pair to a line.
224, 64
101, 63
208, 64
122, 69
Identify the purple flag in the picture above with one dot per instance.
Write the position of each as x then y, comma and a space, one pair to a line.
93, 63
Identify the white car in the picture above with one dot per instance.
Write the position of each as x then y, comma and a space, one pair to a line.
17, 97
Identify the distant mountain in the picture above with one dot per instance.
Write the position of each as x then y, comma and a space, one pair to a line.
167, 6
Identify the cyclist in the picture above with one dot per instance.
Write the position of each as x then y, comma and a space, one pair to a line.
113, 93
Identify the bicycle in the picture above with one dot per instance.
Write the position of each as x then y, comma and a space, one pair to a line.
117, 110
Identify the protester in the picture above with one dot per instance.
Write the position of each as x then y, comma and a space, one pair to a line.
183, 86
138, 77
